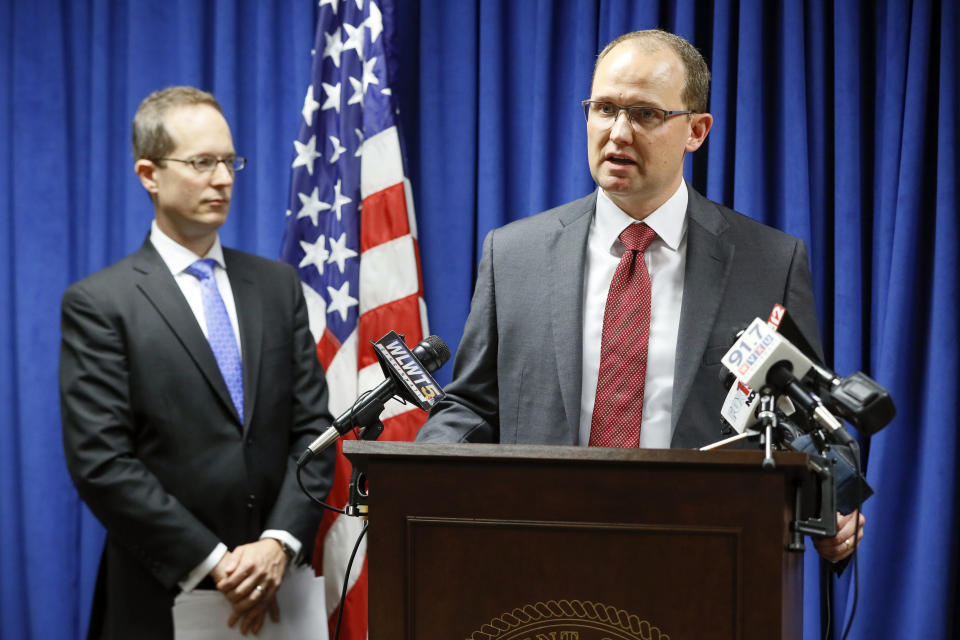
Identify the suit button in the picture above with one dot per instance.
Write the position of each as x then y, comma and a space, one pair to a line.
251, 499
250, 441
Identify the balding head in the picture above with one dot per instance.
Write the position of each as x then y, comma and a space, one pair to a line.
696, 87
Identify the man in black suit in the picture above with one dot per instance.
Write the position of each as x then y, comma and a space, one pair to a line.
531, 365
188, 388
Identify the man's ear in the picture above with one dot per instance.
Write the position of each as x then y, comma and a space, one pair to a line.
146, 170
699, 128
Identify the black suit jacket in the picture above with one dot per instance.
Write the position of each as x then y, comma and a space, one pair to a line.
517, 373
153, 442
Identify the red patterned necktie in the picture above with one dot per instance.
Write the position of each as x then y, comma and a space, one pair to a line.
618, 408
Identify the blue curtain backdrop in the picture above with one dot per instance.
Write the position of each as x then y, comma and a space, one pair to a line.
835, 121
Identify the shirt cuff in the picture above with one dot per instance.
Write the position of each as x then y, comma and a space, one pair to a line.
201, 570
286, 538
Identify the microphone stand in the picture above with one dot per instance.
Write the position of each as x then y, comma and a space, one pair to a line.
358, 492
816, 514
768, 418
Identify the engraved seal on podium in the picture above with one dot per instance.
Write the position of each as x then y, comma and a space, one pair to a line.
568, 620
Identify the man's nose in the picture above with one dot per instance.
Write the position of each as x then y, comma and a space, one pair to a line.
222, 174
622, 129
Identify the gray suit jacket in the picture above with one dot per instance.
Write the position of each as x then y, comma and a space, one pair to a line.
154, 443
517, 370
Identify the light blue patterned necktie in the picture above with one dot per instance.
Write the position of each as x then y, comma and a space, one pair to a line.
220, 334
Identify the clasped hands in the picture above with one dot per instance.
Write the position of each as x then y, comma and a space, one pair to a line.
249, 577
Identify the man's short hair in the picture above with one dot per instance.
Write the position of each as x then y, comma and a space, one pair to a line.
696, 85
151, 140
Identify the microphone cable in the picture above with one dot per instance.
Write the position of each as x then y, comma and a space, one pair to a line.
854, 559
855, 450
346, 578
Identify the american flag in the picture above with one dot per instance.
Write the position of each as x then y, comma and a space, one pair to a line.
351, 233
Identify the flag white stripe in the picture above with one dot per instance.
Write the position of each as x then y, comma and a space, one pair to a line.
316, 311
336, 553
382, 164
388, 272
341, 379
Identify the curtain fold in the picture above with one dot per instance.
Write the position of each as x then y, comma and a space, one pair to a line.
834, 120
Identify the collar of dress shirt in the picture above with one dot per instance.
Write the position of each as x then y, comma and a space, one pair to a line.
669, 220
176, 256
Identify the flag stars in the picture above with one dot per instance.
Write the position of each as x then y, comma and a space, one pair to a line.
312, 205
374, 22
369, 76
359, 142
354, 39
307, 154
333, 5
309, 106
337, 149
339, 252
333, 97
357, 92
338, 200
315, 254
341, 300
334, 45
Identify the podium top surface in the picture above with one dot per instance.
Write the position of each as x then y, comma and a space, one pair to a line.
359, 450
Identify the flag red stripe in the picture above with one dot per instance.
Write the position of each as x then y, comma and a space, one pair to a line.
416, 255
354, 623
402, 316
327, 348
383, 217
403, 427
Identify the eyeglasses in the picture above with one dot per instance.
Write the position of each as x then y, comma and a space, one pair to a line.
604, 114
206, 164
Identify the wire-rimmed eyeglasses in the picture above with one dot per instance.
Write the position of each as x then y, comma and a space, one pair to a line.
604, 114
206, 164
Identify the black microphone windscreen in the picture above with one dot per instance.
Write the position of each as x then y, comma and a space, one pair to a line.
726, 377
432, 352
791, 331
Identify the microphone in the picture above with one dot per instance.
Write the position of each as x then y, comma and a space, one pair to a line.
407, 376
858, 399
740, 407
762, 357
861, 401
780, 377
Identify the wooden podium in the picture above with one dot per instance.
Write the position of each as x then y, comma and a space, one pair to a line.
514, 542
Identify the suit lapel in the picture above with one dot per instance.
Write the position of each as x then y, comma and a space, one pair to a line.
159, 287
250, 319
568, 263
705, 277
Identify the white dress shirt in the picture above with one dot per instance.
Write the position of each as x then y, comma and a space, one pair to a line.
178, 258
665, 259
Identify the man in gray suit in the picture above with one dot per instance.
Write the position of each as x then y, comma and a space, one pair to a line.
189, 385
532, 362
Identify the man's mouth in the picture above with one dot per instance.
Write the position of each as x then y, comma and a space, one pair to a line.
621, 160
